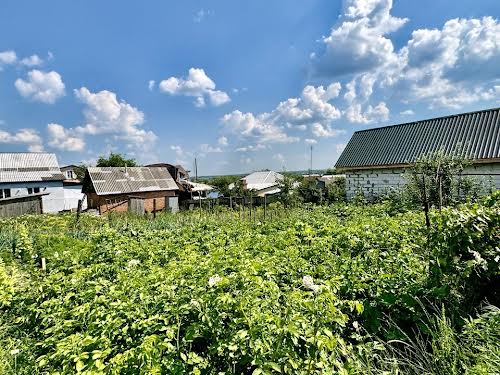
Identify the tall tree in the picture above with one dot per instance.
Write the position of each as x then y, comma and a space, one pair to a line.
115, 160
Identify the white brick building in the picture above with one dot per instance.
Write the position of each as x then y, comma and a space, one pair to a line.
375, 160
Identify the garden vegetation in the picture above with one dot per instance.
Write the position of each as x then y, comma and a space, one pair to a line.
333, 289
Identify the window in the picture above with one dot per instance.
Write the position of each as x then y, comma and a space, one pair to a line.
34, 190
4, 193
70, 175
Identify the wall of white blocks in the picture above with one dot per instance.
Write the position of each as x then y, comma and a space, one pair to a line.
374, 182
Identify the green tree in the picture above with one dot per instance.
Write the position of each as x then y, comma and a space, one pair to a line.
288, 195
221, 183
115, 160
80, 171
435, 180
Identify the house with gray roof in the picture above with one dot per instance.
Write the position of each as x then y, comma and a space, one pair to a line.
23, 174
375, 160
112, 188
263, 182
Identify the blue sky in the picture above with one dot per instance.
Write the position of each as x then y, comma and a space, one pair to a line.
240, 85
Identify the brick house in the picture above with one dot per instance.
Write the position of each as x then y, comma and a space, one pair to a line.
112, 188
374, 160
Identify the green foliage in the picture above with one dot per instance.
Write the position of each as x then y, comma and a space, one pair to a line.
80, 171
436, 178
305, 292
288, 196
115, 160
221, 183
336, 190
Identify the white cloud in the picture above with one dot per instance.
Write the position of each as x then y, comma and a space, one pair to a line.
320, 130
251, 148
178, 150
310, 141
223, 141
197, 85
448, 67
64, 139
312, 107
105, 114
28, 137
408, 112
151, 85
41, 86
359, 42
7, 58
355, 114
261, 128
33, 60
206, 148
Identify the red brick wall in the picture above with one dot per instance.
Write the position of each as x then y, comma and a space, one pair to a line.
99, 202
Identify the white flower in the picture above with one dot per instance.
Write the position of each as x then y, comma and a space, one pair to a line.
214, 280
355, 324
14, 351
308, 283
133, 262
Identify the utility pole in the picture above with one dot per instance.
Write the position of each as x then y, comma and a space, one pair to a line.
195, 170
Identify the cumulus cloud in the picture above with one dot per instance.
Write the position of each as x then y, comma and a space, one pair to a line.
41, 86
378, 113
311, 109
29, 137
198, 85
310, 141
64, 139
320, 130
105, 114
447, 67
33, 60
7, 58
359, 42
260, 128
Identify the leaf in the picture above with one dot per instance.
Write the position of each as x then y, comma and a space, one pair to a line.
79, 366
274, 366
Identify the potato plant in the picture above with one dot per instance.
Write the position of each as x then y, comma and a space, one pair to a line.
305, 292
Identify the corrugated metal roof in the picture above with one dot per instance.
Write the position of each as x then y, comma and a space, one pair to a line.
29, 167
121, 180
262, 180
476, 134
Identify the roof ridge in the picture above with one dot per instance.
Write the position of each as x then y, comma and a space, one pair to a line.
428, 119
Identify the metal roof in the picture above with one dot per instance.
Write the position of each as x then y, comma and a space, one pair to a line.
29, 167
476, 134
262, 180
125, 180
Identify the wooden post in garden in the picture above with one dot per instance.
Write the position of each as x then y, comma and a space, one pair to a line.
44, 264
265, 206
426, 203
154, 208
